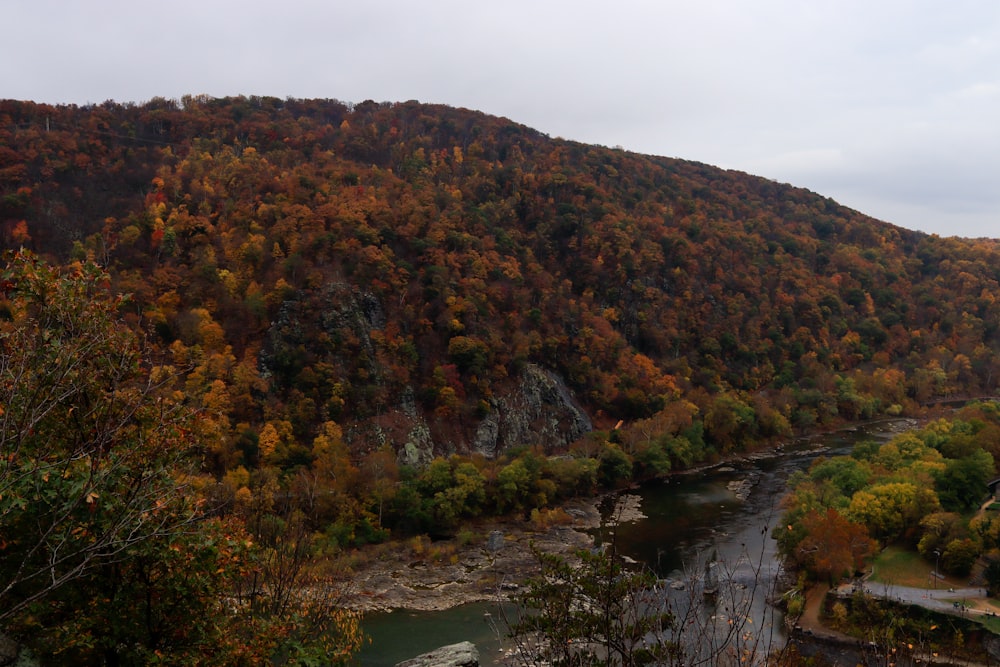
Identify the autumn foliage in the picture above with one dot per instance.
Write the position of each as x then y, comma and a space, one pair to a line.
346, 296
918, 490
834, 546
311, 260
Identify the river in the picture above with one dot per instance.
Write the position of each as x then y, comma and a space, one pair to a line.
726, 513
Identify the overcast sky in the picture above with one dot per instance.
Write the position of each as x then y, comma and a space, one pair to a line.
889, 107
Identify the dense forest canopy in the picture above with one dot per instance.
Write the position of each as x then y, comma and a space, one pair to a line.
379, 320
383, 266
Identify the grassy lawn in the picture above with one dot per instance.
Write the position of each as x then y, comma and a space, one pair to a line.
991, 623
903, 567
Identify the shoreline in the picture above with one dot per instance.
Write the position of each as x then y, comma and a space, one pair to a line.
439, 576
419, 575
398, 579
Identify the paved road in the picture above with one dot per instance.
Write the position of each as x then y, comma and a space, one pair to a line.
942, 599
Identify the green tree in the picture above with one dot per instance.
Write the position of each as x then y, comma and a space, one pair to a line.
515, 482
892, 508
729, 422
469, 354
847, 474
89, 442
962, 484
463, 497
652, 460
939, 528
959, 556
992, 576
573, 476
451, 489
615, 466
163, 604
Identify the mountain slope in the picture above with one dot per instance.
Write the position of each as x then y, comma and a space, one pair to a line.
443, 280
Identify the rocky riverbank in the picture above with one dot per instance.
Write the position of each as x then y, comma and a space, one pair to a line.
494, 559
430, 576
421, 575
491, 565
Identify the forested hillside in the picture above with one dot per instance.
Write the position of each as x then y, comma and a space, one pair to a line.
394, 268
347, 323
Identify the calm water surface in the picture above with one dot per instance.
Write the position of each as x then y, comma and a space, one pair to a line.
689, 519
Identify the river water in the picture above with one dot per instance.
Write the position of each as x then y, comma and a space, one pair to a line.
725, 514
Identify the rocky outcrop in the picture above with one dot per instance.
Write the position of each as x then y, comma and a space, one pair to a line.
539, 410
322, 350
464, 654
417, 447
320, 326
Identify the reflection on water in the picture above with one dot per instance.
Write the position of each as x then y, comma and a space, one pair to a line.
402, 635
688, 520
695, 519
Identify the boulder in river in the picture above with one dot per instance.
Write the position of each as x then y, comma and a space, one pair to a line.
463, 654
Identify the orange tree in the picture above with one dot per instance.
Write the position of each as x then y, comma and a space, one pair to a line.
834, 546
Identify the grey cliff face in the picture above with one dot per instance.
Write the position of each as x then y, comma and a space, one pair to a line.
329, 327
540, 411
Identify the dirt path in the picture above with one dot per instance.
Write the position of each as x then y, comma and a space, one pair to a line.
814, 601
811, 622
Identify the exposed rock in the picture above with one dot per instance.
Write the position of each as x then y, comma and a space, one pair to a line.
628, 508
539, 410
334, 328
464, 654
491, 568
742, 487
338, 307
418, 450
